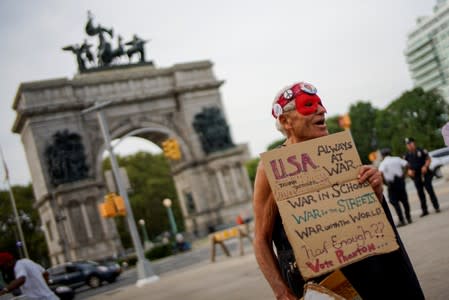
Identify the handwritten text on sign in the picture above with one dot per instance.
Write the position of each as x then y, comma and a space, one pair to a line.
331, 220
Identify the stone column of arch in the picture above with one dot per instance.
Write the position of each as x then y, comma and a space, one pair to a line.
237, 182
86, 221
224, 188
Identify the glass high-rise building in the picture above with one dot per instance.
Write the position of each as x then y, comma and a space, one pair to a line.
427, 51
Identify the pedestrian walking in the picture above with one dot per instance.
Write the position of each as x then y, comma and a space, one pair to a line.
418, 169
30, 277
392, 169
300, 116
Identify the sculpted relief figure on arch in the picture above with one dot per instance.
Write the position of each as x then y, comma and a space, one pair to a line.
66, 160
213, 130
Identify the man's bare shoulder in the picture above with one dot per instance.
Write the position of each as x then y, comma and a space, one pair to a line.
260, 171
260, 166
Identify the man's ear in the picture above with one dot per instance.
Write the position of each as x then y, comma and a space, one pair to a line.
283, 120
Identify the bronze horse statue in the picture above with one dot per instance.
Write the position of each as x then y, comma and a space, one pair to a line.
82, 54
106, 53
136, 47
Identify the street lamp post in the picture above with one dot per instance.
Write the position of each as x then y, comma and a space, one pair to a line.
146, 240
145, 273
167, 203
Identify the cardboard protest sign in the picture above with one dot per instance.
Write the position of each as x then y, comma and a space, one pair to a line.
330, 219
334, 286
339, 284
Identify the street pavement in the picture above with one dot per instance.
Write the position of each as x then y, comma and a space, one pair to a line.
238, 277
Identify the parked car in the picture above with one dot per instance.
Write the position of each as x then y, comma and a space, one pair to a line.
79, 273
111, 264
439, 160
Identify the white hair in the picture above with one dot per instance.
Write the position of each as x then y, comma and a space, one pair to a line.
288, 107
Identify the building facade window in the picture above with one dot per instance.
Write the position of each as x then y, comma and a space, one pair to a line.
426, 52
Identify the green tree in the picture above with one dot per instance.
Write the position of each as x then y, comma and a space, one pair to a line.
251, 168
332, 124
363, 118
415, 113
29, 220
151, 182
275, 144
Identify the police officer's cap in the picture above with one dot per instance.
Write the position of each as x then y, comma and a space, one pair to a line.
409, 140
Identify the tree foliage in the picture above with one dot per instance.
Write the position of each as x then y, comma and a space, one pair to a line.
251, 167
363, 118
415, 113
29, 220
332, 124
275, 144
151, 182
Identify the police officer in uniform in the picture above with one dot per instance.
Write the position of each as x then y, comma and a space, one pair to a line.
418, 169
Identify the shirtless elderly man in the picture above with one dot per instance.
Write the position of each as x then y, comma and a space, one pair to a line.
300, 116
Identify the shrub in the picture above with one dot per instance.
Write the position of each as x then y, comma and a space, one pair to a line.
159, 251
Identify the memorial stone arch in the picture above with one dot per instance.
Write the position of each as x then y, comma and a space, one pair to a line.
64, 149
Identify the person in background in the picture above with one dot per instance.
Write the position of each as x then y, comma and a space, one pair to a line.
181, 244
418, 169
30, 277
392, 169
300, 116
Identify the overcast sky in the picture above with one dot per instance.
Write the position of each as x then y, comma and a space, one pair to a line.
350, 50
